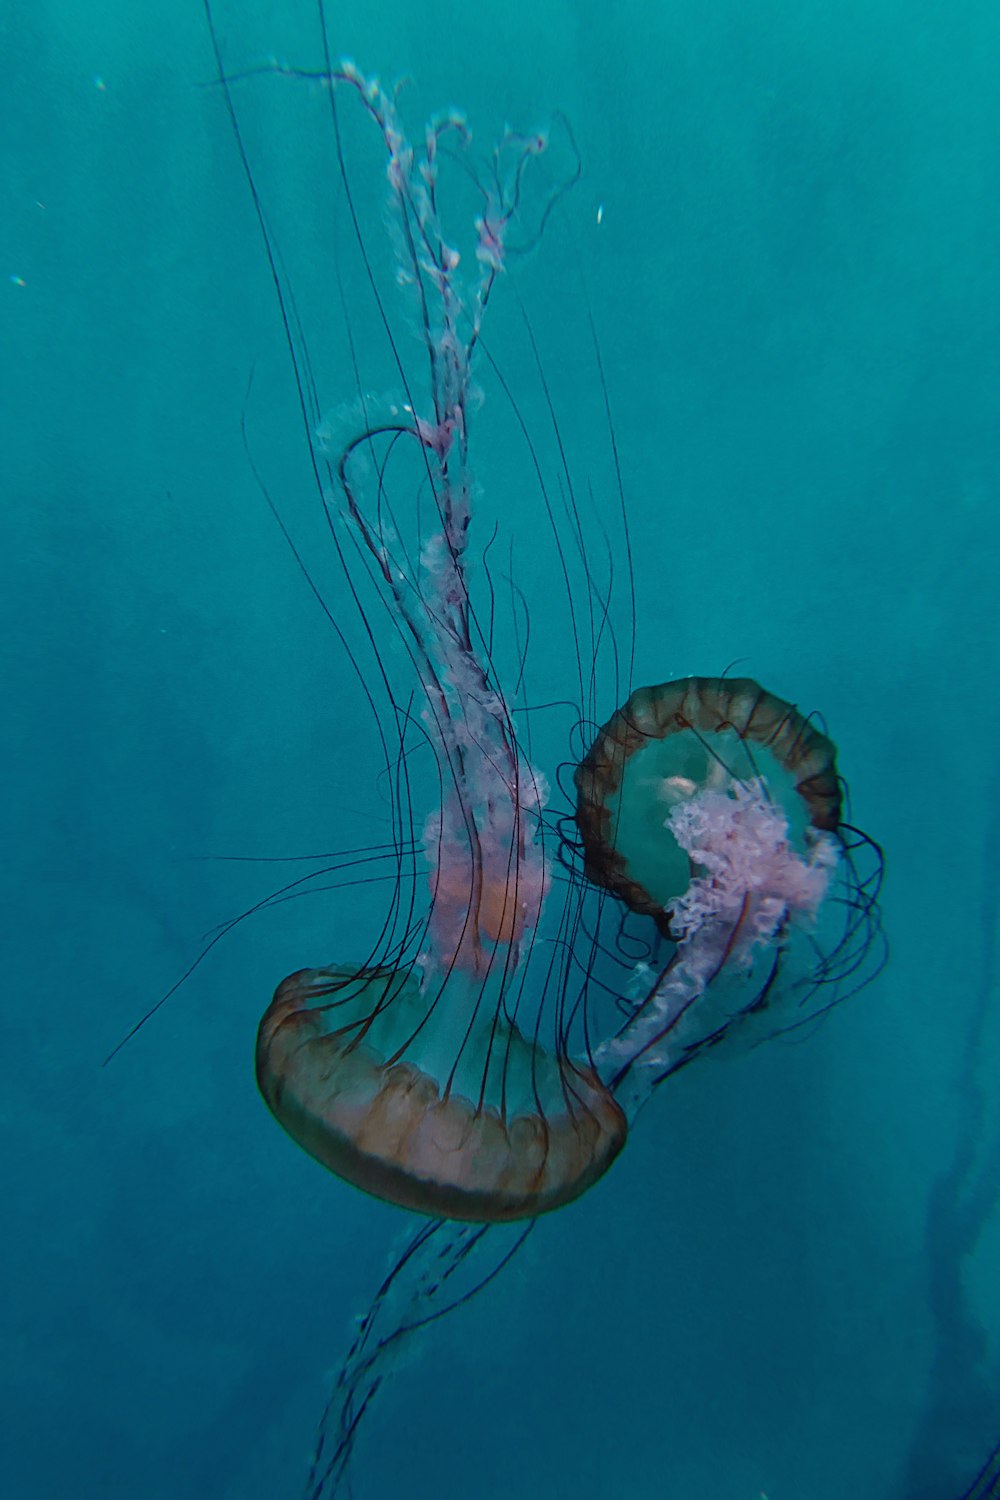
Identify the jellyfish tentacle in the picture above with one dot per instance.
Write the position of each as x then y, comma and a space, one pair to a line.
440, 1268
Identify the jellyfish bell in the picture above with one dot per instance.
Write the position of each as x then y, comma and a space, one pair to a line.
417, 1083
360, 1069
679, 739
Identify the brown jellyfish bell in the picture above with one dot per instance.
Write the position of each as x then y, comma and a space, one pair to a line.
679, 739
362, 1070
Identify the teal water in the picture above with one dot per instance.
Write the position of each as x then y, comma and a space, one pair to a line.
793, 279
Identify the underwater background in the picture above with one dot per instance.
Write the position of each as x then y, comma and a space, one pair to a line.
787, 230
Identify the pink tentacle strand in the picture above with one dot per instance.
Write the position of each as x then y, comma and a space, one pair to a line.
730, 923
487, 872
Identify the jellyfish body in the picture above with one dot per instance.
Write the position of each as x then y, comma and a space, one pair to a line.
389, 1126
678, 739
713, 807
424, 1075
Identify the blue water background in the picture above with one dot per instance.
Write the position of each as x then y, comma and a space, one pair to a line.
794, 280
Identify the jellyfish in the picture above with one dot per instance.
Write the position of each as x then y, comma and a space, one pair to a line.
543, 967
714, 808
426, 1079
